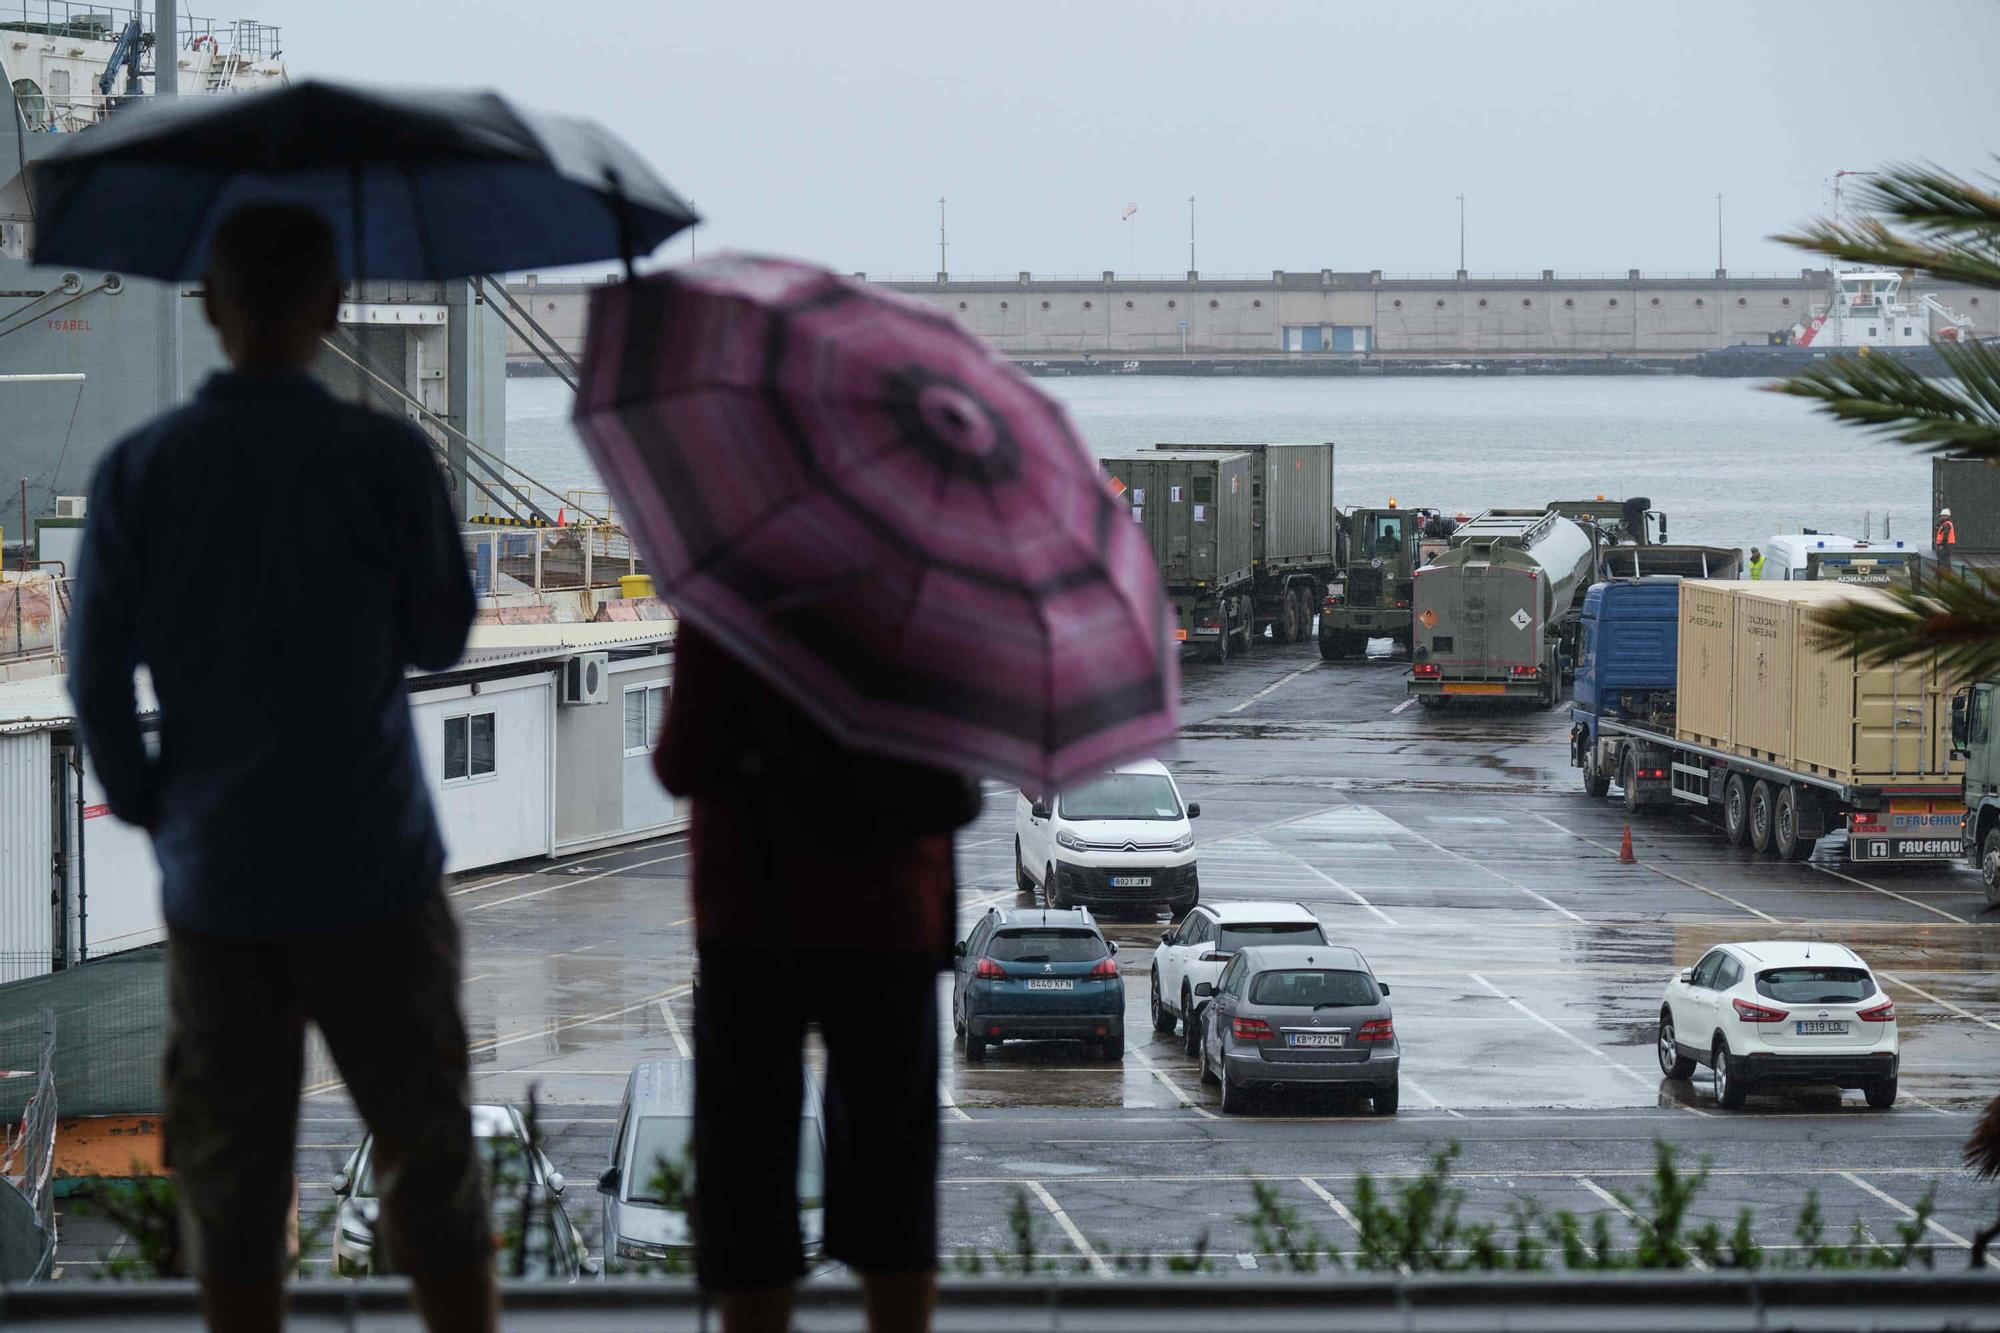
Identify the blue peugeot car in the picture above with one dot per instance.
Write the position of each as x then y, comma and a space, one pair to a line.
1033, 973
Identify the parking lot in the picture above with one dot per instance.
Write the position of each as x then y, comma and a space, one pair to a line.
1458, 852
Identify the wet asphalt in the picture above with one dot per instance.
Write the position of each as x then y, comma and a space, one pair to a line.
1459, 853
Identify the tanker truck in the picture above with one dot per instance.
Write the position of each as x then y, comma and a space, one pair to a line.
1494, 616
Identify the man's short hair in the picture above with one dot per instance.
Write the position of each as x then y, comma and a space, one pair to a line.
273, 259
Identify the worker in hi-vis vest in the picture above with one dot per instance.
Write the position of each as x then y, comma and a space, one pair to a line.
1756, 563
1945, 538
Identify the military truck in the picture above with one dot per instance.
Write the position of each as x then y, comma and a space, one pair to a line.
1976, 737
1384, 552
1632, 522
1244, 535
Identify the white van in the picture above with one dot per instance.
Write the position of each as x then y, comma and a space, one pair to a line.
1836, 559
1120, 839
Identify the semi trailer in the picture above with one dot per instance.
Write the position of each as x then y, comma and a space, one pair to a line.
1244, 535
1494, 615
1730, 699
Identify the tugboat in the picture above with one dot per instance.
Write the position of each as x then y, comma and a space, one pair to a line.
1864, 316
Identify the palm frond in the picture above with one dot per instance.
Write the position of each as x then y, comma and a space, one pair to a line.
1960, 414
1982, 1150
1972, 260
1953, 615
1930, 199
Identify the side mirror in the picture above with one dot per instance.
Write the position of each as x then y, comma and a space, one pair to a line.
1167, 938
1039, 810
556, 1181
1205, 989
1382, 986
590, 1267
958, 949
341, 1182
1687, 974
608, 1182
1961, 705
1194, 809
1111, 945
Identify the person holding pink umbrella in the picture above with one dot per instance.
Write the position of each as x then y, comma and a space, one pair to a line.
897, 569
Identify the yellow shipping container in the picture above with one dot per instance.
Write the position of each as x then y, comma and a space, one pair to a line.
1774, 685
1707, 655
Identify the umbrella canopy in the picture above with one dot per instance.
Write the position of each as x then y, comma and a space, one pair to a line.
886, 522
443, 184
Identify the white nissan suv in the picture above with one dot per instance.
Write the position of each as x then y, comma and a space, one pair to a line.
1120, 838
1772, 1012
1199, 948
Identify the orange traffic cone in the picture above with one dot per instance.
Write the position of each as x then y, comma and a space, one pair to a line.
1625, 857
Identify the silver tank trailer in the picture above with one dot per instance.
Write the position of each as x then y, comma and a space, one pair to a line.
1492, 615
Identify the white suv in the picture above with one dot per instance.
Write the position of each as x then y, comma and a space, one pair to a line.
1119, 839
1780, 1012
1203, 943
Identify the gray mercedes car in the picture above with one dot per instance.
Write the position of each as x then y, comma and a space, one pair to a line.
1287, 1017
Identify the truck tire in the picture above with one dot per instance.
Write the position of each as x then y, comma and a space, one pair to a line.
1989, 865
1307, 599
1786, 839
1736, 810
1763, 815
1222, 630
1284, 627
1595, 784
1628, 777
1332, 646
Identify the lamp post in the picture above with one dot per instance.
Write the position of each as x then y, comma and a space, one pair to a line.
1191, 268
1718, 235
1461, 235
166, 83
943, 268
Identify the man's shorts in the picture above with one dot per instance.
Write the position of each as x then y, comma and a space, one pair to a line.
877, 1014
385, 998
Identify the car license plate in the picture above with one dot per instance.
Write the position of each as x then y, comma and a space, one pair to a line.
1814, 1028
1051, 983
1131, 881
1319, 1039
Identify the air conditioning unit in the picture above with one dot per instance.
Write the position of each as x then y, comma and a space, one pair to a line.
70, 506
586, 679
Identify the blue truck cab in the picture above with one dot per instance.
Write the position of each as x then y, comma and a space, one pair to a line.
1628, 644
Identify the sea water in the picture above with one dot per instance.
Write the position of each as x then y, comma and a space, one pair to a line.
1731, 463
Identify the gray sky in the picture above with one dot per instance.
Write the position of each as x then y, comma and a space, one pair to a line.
1587, 136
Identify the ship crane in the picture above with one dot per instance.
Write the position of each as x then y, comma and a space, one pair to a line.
131, 41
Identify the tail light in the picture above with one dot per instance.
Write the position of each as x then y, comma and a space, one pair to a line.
1376, 1029
1884, 1012
1105, 968
1403, 604
1757, 1013
1333, 599
991, 970
1525, 670
1250, 1029
1424, 669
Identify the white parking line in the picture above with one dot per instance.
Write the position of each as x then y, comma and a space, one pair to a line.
1504, 879
674, 1030
1097, 1264
1405, 704
1424, 1093
1608, 1197
1565, 1034
1907, 1211
1657, 870
1276, 684
1340, 1209
1170, 1085
1317, 873
950, 1103
1937, 1000
1949, 916
1246, 1260
573, 883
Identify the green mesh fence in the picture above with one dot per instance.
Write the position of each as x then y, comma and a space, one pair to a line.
111, 1026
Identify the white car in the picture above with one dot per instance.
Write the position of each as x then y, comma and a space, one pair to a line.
1199, 948
1772, 1012
1117, 840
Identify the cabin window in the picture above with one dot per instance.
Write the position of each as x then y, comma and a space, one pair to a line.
469, 747
1982, 717
645, 715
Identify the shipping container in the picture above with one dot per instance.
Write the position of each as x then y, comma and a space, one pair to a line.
1760, 677
1292, 513
1970, 488
1195, 506
27, 855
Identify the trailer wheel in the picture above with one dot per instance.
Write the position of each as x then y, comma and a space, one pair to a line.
1736, 810
1284, 625
1628, 777
1785, 838
1332, 646
1762, 815
1595, 784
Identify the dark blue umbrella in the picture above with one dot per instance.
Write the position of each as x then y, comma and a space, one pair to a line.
415, 184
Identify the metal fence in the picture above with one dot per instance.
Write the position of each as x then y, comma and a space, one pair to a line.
525, 560
27, 1153
111, 1014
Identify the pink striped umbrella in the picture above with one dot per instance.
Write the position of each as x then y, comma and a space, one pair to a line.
886, 522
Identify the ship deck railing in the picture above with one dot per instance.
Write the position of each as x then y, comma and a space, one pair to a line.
88, 20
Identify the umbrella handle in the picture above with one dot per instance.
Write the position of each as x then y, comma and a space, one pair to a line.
622, 209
